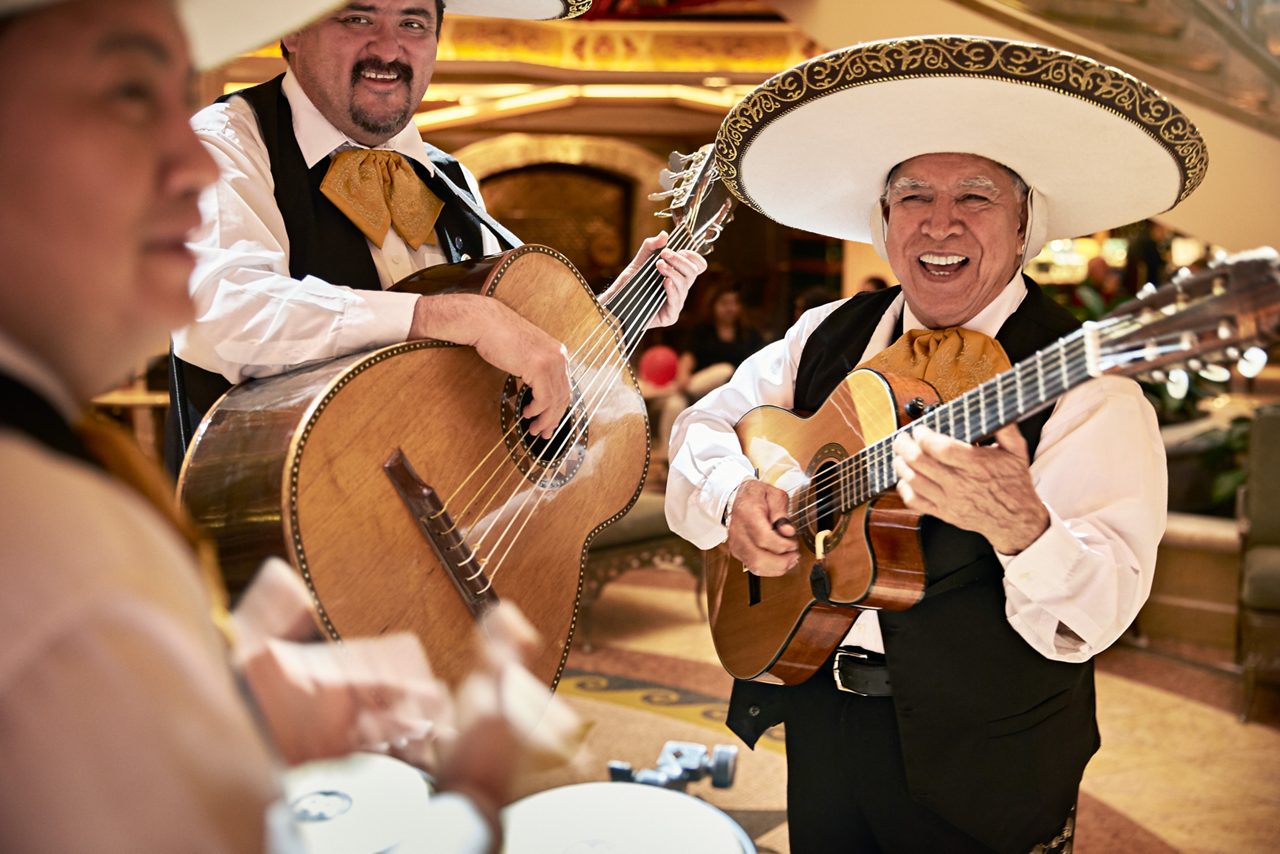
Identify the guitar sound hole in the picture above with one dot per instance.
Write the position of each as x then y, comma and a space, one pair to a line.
547, 462
822, 500
825, 497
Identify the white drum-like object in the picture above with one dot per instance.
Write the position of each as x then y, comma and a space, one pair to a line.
619, 818
364, 803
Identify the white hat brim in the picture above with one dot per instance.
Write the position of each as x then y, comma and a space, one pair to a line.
530, 10
812, 147
219, 30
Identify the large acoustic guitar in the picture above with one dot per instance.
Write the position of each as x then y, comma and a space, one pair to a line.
859, 546
402, 483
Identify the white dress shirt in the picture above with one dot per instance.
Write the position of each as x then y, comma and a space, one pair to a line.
1099, 469
252, 318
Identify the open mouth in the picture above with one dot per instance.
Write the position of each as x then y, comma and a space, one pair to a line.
381, 74
940, 265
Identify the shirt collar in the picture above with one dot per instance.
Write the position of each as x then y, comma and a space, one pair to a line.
991, 318
24, 367
317, 138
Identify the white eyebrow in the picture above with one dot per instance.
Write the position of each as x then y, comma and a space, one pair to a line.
978, 183
906, 183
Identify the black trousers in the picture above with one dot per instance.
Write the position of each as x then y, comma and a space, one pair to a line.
846, 781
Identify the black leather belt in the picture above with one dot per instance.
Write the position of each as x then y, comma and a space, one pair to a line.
862, 672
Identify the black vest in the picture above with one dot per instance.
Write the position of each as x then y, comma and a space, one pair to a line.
322, 243
994, 735
27, 412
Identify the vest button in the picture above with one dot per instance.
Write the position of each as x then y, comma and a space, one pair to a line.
754, 711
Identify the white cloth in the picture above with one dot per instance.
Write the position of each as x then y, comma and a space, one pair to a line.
1099, 469
253, 318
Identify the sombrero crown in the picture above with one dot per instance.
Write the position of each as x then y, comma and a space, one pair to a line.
812, 147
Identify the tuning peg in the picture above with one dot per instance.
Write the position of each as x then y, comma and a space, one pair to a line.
1178, 384
665, 194
1225, 330
1147, 290
1195, 364
678, 162
1215, 374
1158, 376
1232, 352
1252, 362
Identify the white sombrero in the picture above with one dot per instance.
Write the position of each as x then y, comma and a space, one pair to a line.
218, 30
813, 146
531, 10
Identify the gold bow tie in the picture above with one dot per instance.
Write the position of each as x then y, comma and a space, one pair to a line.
954, 359
120, 455
378, 190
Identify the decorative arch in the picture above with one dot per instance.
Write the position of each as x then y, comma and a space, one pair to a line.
610, 154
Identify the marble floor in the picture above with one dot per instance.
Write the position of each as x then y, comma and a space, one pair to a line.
1177, 771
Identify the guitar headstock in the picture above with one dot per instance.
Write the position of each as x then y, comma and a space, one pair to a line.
700, 204
1196, 319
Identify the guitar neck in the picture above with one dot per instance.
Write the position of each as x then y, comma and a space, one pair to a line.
642, 296
1024, 389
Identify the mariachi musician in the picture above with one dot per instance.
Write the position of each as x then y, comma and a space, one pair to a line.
329, 196
963, 723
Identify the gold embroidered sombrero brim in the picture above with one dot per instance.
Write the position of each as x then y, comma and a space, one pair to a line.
812, 147
530, 10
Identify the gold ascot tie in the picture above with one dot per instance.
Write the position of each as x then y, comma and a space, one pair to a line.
119, 454
954, 359
378, 190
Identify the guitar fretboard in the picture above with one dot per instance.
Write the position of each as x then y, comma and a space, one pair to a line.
1016, 393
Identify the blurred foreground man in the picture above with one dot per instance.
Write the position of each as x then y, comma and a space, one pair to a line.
964, 723
122, 726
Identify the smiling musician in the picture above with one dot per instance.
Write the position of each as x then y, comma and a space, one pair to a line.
963, 723
329, 196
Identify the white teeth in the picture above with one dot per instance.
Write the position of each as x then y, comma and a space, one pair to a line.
374, 75
930, 258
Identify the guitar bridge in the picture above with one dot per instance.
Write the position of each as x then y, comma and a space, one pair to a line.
437, 527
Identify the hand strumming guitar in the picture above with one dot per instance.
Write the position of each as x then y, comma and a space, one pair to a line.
507, 341
759, 533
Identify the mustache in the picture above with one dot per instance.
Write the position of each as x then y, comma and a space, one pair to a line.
400, 69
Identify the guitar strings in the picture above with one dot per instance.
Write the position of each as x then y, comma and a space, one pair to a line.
643, 291
650, 295
869, 473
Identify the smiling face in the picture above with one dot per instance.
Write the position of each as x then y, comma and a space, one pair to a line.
367, 67
955, 233
101, 174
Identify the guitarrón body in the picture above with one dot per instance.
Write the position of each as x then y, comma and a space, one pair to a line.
296, 467
402, 484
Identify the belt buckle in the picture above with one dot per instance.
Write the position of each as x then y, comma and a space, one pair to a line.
835, 669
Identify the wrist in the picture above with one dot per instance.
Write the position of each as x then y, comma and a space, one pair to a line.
727, 515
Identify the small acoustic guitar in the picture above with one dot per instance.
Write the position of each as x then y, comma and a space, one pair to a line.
402, 483
859, 545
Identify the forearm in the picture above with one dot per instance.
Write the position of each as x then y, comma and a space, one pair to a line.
1101, 472
254, 322
707, 461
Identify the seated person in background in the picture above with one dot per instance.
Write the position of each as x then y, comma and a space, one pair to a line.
713, 349
292, 267
122, 725
1100, 290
